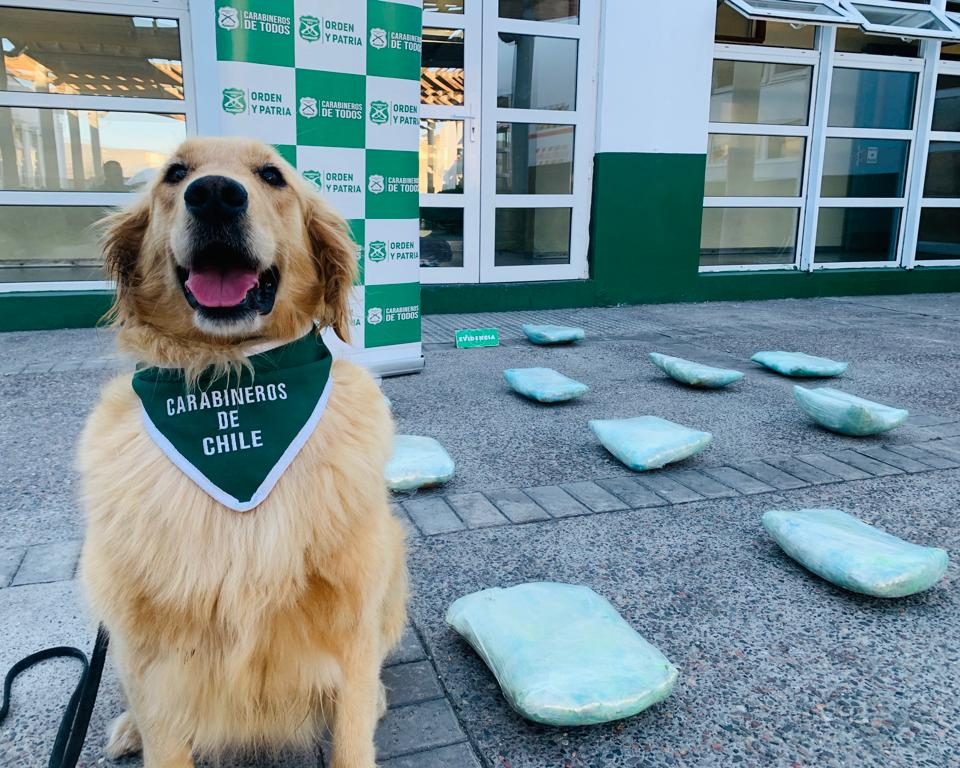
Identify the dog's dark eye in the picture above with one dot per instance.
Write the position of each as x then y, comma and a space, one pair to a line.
271, 174
175, 173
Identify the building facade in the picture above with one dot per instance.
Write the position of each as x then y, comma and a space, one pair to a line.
571, 152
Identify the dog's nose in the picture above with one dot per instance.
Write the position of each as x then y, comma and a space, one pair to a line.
216, 199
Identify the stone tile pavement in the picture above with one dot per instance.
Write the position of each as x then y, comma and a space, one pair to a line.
777, 667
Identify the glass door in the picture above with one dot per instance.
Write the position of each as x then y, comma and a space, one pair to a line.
450, 142
537, 122
506, 139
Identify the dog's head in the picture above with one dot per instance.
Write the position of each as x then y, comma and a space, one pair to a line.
229, 245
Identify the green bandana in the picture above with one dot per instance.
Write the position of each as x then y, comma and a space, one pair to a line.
233, 436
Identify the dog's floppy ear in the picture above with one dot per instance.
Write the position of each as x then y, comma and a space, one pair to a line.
121, 243
335, 256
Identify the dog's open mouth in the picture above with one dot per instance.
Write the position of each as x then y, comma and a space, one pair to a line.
222, 284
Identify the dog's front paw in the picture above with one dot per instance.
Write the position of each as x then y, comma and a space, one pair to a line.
124, 738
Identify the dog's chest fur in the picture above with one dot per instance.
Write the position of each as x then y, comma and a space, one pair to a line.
244, 614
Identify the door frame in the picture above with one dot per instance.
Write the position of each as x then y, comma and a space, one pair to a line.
470, 21
583, 118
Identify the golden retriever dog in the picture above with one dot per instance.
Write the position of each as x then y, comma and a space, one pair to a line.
238, 630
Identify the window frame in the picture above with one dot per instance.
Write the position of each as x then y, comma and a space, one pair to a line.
927, 67
952, 31
800, 56
936, 68
171, 9
843, 17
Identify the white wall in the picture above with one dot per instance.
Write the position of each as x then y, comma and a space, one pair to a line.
654, 75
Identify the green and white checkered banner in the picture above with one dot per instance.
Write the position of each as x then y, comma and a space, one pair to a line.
334, 85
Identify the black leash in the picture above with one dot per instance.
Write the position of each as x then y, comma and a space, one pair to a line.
76, 717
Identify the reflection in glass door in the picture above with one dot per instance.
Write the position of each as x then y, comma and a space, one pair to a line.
449, 142
506, 138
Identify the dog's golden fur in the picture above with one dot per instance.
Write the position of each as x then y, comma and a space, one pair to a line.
241, 629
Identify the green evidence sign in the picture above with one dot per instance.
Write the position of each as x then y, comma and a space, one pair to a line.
477, 337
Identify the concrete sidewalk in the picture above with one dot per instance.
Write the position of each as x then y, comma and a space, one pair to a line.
776, 666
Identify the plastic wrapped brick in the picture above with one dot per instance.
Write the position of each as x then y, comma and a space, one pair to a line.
800, 365
552, 334
694, 374
649, 442
417, 462
544, 385
562, 654
851, 554
848, 414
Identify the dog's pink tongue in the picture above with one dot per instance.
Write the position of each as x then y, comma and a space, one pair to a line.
213, 288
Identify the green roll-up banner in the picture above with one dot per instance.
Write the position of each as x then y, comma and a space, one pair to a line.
334, 86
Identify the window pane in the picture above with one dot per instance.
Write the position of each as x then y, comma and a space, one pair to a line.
857, 234
444, 6
67, 149
865, 168
566, 11
950, 51
869, 98
92, 54
855, 40
441, 155
532, 236
441, 66
733, 27
534, 159
441, 237
49, 243
793, 6
943, 172
754, 92
939, 234
748, 236
536, 72
754, 166
946, 108
901, 17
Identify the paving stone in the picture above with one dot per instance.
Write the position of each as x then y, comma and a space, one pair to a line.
635, 495
929, 419
770, 475
476, 510
865, 463
433, 516
517, 506
594, 496
894, 459
457, 756
405, 730
671, 490
10, 560
797, 468
409, 649
411, 683
556, 501
945, 430
927, 457
702, 484
48, 562
737, 479
833, 466
405, 520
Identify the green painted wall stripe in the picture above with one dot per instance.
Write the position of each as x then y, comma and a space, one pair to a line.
50, 310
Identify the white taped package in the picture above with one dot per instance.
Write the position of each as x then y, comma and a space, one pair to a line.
562, 654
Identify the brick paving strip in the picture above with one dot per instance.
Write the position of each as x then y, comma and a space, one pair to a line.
435, 514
